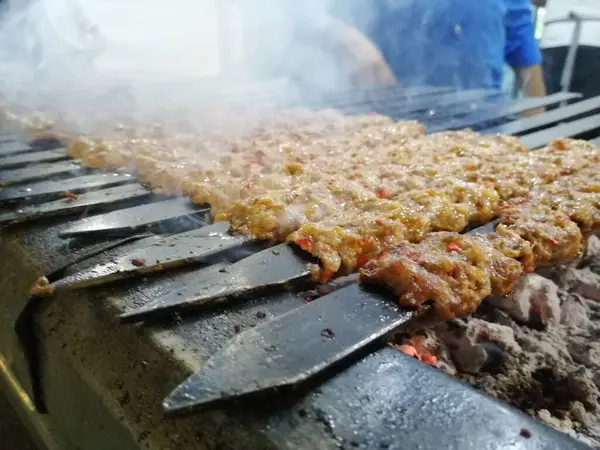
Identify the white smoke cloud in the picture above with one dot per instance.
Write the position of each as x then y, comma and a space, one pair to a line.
82, 59
89, 61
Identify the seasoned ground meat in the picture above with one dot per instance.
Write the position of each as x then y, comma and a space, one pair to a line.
457, 271
450, 269
553, 236
347, 188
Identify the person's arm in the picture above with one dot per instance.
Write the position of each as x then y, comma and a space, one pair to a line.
531, 80
364, 59
522, 51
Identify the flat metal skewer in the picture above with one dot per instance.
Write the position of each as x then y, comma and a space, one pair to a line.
85, 203
162, 253
290, 348
130, 220
40, 172
295, 346
25, 159
43, 190
274, 268
13, 145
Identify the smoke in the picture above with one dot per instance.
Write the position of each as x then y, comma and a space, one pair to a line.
82, 60
88, 63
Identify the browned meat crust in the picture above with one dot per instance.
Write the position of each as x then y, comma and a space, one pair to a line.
457, 272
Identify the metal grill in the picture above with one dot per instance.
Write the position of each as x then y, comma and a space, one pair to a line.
274, 341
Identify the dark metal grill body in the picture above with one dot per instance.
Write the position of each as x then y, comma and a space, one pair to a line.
82, 380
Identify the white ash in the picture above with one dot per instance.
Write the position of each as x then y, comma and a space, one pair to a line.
591, 256
534, 302
574, 311
476, 344
538, 349
581, 281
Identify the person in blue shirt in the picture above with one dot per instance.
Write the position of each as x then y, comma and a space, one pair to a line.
464, 44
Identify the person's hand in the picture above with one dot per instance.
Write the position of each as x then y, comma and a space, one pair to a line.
368, 66
364, 61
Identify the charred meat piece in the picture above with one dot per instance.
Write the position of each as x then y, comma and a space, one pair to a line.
457, 272
450, 269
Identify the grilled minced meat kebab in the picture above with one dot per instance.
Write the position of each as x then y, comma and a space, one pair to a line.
458, 271
373, 193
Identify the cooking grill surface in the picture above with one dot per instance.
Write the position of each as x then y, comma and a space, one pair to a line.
65, 245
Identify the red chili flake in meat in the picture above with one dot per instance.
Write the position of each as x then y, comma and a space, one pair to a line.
553, 241
564, 172
520, 201
429, 359
308, 299
138, 262
366, 244
305, 243
559, 144
326, 276
361, 260
383, 193
453, 247
471, 168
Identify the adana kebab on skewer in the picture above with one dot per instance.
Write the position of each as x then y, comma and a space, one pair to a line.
356, 191
457, 271
339, 201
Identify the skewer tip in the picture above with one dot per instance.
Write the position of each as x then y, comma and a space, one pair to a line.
191, 395
137, 315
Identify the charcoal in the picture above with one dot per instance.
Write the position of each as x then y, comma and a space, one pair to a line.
582, 387
565, 425
581, 281
537, 349
591, 256
535, 301
477, 345
573, 310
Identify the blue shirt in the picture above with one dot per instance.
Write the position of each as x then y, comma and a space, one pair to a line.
460, 43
